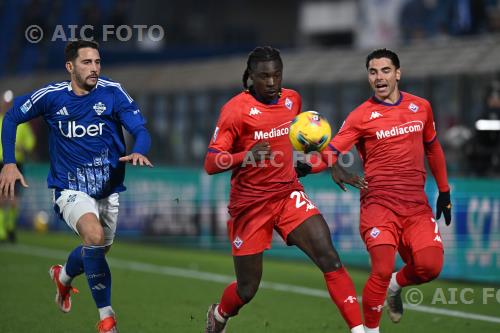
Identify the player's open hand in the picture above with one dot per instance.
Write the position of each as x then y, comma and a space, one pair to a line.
443, 205
9, 175
261, 151
341, 177
136, 159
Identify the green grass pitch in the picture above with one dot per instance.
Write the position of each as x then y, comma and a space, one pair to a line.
163, 289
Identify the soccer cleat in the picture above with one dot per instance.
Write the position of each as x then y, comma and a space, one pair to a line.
63, 293
394, 305
213, 325
107, 325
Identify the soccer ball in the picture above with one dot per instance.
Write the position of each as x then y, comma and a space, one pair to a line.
309, 131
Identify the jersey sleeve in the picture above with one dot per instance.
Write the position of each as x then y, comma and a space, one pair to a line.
226, 131
128, 112
348, 135
24, 109
27, 107
430, 126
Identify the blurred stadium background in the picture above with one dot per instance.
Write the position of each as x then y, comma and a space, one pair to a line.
450, 54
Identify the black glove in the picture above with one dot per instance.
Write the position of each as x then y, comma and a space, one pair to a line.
302, 169
443, 205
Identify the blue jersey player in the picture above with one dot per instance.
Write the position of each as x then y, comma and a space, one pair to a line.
87, 165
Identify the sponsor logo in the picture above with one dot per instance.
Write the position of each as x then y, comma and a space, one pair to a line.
99, 108
351, 299
254, 112
99, 286
413, 107
93, 276
63, 112
73, 130
273, 133
71, 198
216, 132
375, 232
237, 242
375, 115
406, 128
288, 103
26, 106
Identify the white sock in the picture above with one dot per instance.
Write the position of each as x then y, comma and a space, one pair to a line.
372, 330
394, 287
358, 329
64, 278
105, 312
217, 315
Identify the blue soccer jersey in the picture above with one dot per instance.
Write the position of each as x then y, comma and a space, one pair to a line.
85, 134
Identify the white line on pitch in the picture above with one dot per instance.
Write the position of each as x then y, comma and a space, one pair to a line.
213, 277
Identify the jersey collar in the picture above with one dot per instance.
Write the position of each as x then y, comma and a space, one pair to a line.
378, 101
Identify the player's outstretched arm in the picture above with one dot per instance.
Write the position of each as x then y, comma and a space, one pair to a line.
8, 177
136, 159
341, 177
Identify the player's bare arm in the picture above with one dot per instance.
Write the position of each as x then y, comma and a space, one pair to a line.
341, 177
136, 159
8, 177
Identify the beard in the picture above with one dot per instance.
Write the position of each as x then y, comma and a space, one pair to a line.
82, 82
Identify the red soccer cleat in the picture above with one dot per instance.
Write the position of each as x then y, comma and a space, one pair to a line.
63, 293
107, 325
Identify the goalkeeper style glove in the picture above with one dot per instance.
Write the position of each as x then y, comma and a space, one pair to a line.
302, 169
443, 205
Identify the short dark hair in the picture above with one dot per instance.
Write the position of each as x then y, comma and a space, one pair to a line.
383, 53
71, 50
260, 54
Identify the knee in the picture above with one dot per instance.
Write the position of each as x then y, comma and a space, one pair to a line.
247, 291
93, 237
428, 271
329, 262
382, 272
428, 264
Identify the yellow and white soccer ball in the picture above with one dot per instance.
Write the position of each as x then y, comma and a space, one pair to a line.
310, 131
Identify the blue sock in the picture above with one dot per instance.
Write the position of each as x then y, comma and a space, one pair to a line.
74, 264
98, 274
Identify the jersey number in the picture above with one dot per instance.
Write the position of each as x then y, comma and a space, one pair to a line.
301, 200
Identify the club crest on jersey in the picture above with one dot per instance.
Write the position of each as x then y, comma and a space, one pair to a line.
375, 232
413, 107
254, 111
237, 242
26, 106
99, 108
288, 103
